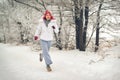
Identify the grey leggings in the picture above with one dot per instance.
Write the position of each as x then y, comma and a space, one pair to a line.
45, 51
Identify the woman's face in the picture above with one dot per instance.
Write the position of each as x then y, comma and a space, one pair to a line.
48, 16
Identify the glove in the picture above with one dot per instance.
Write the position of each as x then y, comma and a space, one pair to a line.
35, 37
53, 27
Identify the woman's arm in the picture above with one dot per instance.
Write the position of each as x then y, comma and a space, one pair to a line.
55, 27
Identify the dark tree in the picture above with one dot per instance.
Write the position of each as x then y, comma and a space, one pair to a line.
86, 13
97, 26
81, 16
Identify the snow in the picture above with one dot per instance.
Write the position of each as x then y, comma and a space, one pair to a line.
21, 63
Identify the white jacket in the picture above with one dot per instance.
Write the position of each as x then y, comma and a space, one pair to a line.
44, 32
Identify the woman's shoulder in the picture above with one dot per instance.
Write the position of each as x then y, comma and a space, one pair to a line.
53, 21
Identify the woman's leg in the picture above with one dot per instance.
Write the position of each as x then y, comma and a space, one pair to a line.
45, 51
49, 45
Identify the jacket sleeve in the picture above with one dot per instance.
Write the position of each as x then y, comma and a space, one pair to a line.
38, 30
56, 27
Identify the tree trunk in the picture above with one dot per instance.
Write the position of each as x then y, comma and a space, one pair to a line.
21, 32
97, 27
81, 48
59, 34
79, 24
4, 35
86, 15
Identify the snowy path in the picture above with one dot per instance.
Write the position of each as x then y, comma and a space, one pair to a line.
20, 63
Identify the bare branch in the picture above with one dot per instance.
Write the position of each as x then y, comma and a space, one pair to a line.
43, 4
28, 5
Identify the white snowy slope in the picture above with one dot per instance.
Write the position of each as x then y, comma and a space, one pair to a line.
20, 63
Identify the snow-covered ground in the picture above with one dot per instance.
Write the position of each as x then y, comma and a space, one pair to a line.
20, 63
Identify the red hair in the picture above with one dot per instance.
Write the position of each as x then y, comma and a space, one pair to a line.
47, 12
